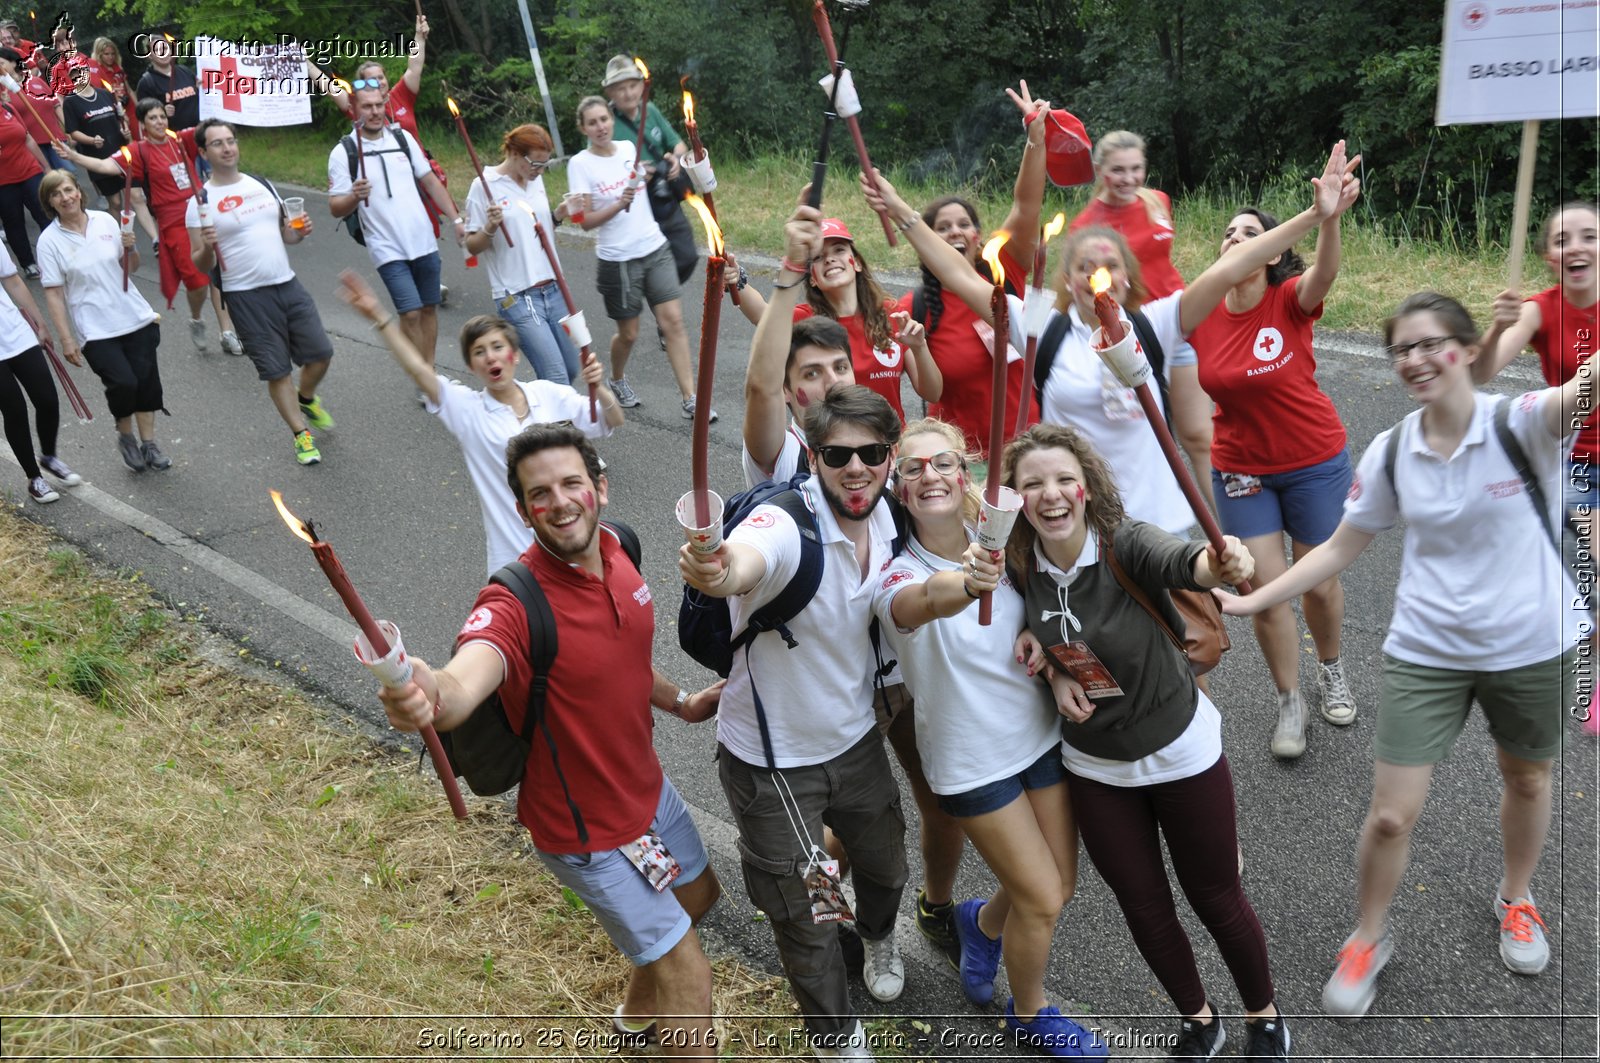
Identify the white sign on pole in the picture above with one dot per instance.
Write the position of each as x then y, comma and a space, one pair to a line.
252, 85
1512, 62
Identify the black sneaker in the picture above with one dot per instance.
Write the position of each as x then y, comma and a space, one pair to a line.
855, 954
1266, 1038
1200, 1041
937, 922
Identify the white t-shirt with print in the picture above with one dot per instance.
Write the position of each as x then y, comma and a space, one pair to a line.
1481, 588
980, 717
394, 220
520, 267
89, 267
791, 459
630, 234
16, 335
483, 426
250, 232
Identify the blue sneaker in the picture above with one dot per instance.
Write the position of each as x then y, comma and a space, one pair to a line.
980, 957
1054, 1034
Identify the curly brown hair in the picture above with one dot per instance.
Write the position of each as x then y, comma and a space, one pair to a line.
1104, 509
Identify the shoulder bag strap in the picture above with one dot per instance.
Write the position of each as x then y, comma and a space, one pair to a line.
1108, 551
1519, 461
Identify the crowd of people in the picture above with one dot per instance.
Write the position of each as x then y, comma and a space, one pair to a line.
1096, 724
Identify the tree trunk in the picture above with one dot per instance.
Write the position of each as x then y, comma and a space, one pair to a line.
463, 26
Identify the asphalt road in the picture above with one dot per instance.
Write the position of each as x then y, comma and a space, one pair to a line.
393, 497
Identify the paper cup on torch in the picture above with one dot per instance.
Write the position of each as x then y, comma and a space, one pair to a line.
700, 174
702, 539
577, 329
996, 518
392, 669
127, 221
1126, 362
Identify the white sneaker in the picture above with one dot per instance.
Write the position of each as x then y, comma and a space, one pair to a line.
1338, 707
1289, 740
883, 972
853, 1046
231, 344
197, 333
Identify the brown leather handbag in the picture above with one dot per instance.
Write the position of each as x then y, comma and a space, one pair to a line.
1205, 636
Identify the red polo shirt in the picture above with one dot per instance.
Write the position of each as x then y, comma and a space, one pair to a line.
598, 702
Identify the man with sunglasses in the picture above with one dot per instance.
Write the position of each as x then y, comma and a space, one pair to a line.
388, 197
808, 749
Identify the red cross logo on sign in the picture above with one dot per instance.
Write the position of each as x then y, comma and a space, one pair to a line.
1268, 345
1475, 16
231, 83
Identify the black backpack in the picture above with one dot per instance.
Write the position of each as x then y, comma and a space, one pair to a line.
483, 749
1056, 331
352, 221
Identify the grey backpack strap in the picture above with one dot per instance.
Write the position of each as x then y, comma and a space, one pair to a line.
1524, 469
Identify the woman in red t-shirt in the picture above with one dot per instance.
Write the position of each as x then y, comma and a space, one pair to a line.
1278, 457
111, 71
21, 168
962, 343
1560, 324
1142, 215
165, 164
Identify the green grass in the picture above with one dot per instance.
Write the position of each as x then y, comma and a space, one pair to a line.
1381, 262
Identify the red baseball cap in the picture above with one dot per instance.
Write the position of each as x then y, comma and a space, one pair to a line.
1067, 157
834, 229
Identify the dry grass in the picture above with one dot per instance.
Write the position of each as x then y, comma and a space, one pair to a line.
192, 863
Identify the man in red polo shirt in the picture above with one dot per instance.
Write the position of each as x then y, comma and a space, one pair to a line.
635, 828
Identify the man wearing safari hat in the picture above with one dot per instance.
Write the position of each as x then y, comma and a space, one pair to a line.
641, 123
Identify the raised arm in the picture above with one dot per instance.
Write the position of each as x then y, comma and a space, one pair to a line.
356, 292
1317, 281
945, 262
419, 57
1516, 322
765, 412
1334, 193
927, 380
1027, 197
734, 569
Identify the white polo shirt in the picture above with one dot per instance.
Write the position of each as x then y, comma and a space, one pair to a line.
1480, 588
513, 269
15, 335
630, 234
483, 427
817, 696
1081, 392
979, 717
89, 267
394, 219
791, 459
250, 232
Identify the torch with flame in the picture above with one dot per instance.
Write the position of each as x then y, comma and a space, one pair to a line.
376, 638
710, 319
698, 166
127, 208
355, 131
1035, 314
1000, 311
472, 153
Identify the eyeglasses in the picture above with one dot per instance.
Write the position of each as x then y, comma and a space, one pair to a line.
837, 457
536, 165
944, 463
1399, 352
365, 83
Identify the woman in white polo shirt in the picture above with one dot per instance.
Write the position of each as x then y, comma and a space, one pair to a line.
987, 732
1467, 624
80, 267
636, 265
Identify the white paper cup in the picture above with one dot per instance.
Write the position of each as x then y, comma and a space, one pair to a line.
846, 104
707, 540
127, 221
577, 329
1036, 307
994, 522
1126, 362
700, 174
394, 668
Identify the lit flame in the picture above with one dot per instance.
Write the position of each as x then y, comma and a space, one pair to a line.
713, 230
1053, 230
991, 255
173, 135
127, 156
644, 71
455, 112
168, 36
524, 205
295, 524
1100, 281
688, 106
344, 86
106, 85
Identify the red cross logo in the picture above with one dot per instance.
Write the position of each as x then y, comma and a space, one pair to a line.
1268, 345
1475, 17
231, 83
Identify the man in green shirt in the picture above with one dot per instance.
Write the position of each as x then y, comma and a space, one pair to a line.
662, 153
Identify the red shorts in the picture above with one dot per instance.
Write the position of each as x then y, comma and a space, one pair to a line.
177, 267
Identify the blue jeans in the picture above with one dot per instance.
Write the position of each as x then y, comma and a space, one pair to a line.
55, 161
536, 314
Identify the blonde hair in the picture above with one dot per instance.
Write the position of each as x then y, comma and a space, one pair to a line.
102, 43
972, 499
1123, 140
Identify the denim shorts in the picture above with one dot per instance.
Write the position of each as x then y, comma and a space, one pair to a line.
991, 797
1307, 503
644, 925
412, 283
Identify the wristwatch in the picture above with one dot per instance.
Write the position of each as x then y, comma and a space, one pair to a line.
679, 702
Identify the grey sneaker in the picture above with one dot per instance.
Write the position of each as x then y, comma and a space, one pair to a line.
851, 1044
1289, 740
444, 295
1522, 943
689, 407
132, 452
1354, 984
40, 491
883, 972
58, 468
1338, 707
231, 344
31, 272
625, 396
197, 334
153, 458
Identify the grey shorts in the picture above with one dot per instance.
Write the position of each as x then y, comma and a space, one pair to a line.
279, 327
627, 286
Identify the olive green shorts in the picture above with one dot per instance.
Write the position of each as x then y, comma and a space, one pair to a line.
1422, 710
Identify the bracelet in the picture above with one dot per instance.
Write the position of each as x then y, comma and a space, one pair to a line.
792, 268
725, 574
905, 225
385, 323
744, 279
968, 589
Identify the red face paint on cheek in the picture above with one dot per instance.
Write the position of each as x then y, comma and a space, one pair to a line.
587, 498
1450, 357
539, 511
802, 399
1078, 492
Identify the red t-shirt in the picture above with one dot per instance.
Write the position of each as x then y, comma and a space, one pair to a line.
1258, 367
1150, 241
17, 163
171, 173
877, 369
38, 111
598, 702
965, 356
1560, 359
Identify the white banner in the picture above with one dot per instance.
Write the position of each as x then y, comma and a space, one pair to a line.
1510, 62
255, 84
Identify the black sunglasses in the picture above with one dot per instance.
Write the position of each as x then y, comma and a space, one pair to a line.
837, 457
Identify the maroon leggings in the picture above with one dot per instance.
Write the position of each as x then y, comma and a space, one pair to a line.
1196, 815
